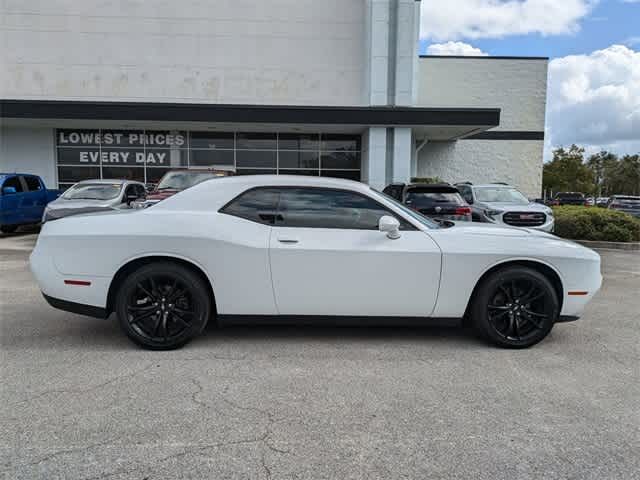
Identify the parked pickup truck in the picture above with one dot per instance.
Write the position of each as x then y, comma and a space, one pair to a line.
22, 200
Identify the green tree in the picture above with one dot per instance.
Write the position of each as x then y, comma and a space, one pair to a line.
623, 176
601, 164
567, 172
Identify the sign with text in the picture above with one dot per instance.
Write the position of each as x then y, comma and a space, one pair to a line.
121, 147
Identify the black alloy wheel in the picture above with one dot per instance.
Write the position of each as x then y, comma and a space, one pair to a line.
162, 306
515, 307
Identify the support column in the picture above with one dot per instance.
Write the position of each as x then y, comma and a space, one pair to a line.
402, 152
377, 51
406, 50
374, 150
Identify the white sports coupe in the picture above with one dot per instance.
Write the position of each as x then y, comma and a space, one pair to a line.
292, 249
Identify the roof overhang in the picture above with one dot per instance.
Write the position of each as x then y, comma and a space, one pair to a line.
427, 122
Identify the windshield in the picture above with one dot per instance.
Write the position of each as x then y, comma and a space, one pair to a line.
429, 199
93, 191
183, 180
500, 195
412, 213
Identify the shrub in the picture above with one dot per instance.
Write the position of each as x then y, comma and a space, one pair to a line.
592, 223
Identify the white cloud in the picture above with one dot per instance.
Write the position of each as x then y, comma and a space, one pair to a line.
455, 48
631, 41
594, 100
455, 19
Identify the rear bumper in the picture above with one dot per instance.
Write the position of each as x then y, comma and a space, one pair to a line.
79, 308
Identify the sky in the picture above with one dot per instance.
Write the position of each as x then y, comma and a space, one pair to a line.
593, 96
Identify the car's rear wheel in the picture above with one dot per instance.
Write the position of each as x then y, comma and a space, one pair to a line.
8, 228
515, 307
162, 306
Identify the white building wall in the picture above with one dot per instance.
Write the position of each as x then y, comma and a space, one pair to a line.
518, 88
517, 162
219, 51
28, 150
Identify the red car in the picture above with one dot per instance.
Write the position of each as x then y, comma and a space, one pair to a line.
175, 181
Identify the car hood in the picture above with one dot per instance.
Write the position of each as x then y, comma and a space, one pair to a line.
490, 229
515, 207
74, 204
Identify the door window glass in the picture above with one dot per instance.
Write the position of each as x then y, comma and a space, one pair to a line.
13, 182
258, 205
326, 208
33, 183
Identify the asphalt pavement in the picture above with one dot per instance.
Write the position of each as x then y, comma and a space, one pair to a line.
79, 401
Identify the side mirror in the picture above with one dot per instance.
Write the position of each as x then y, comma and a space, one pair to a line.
389, 225
132, 198
9, 190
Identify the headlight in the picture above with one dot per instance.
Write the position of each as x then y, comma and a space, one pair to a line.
549, 213
492, 213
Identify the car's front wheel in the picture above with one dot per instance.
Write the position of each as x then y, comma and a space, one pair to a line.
162, 306
515, 307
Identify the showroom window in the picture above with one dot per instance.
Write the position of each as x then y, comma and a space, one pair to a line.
146, 155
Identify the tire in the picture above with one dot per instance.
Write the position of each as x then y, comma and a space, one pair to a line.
163, 306
515, 307
8, 228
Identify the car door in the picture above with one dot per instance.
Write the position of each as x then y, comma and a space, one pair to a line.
34, 198
328, 257
12, 202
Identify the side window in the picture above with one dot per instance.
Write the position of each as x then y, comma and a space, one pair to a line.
131, 190
325, 208
393, 191
33, 184
466, 194
13, 182
258, 205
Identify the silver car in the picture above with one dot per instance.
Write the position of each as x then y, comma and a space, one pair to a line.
94, 196
504, 204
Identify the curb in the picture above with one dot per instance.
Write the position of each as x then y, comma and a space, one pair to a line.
628, 246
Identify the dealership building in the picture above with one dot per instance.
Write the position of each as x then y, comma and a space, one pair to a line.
127, 89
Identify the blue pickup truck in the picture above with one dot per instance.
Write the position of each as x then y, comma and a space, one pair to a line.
22, 200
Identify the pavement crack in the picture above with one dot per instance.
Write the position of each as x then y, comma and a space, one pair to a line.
65, 452
194, 395
83, 390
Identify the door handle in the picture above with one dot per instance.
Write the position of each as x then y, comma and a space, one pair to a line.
288, 240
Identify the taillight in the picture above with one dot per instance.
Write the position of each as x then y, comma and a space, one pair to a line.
462, 211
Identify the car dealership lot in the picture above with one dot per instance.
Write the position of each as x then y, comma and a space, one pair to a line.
80, 401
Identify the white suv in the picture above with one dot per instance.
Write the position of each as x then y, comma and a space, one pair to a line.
503, 204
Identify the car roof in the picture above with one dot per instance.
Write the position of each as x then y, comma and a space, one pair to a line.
433, 187
109, 181
492, 185
216, 192
291, 180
